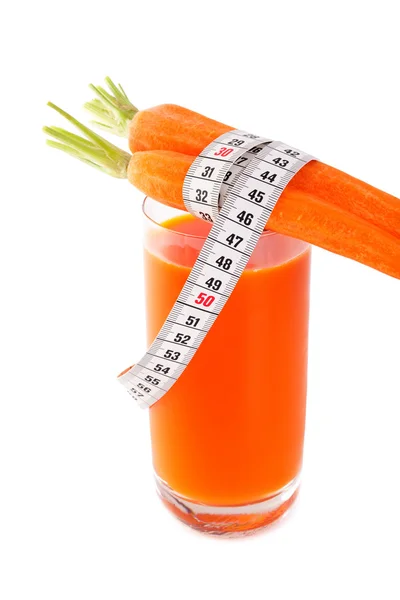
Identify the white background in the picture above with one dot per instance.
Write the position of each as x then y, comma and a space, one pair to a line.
79, 515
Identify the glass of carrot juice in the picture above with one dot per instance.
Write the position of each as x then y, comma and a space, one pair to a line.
227, 438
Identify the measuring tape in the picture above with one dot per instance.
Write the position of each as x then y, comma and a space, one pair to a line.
234, 183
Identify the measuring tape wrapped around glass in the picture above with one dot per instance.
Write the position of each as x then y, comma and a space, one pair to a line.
235, 183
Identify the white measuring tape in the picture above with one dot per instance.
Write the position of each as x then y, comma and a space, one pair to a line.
235, 183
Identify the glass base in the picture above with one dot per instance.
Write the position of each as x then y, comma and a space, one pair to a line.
232, 521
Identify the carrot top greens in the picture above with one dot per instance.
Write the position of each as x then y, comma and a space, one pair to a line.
93, 149
113, 109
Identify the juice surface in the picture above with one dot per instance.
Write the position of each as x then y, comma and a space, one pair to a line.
230, 431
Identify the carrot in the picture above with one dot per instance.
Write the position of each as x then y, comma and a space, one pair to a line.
171, 127
352, 195
164, 127
160, 174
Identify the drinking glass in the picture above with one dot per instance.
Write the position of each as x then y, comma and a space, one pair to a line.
227, 438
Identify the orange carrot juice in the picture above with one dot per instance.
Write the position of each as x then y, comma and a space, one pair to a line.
230, 431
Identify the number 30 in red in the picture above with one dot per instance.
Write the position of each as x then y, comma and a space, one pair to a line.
224, 151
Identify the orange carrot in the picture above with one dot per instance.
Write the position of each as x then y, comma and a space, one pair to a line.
171, 127
301, 214
160, 174
352, 195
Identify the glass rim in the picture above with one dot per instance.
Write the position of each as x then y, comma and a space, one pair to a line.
265, 233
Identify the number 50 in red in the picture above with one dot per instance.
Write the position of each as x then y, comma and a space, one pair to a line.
205, 300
